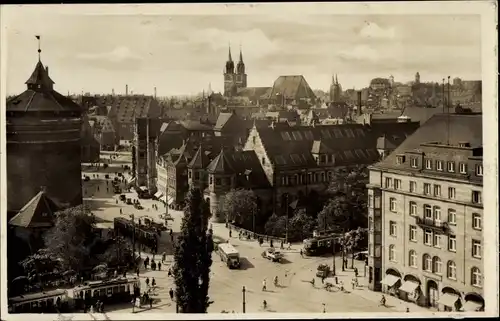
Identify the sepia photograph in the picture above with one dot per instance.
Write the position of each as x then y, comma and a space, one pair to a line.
258, 159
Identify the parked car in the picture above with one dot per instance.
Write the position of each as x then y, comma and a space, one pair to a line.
123, 198
86, 178
361, 256
272, 254
323, 271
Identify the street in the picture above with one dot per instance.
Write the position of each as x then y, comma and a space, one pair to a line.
294, 294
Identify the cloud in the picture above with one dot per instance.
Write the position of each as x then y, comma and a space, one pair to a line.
372, 30
360, 52
119, 54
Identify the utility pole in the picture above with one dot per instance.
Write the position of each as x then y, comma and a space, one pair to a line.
244, 302
333, 250
286, 225
133, 235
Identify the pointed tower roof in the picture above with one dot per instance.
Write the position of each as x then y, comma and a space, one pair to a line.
241, 55
230, 58
37, 213
40, 77
200, 159
221, 164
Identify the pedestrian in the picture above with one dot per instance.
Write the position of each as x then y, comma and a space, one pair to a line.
313, 281
281, 245
289, 247
171, 293
153, 283
324, 308
147, 281
353, 284
163, 257
271, 243
323, 279
407, 309
170, 272
120, 208
264, 285
116, 273
159, 266
301, 253
150, 303
356, 272
102, 307
137, 272
230, 233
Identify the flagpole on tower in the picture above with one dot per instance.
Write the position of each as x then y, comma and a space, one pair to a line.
39, 50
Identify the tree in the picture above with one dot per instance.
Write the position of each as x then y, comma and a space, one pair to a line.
354, 240
240, 205
276, 226
335, 214
40, 262
193, 256
300, 226
117, 253
72, 238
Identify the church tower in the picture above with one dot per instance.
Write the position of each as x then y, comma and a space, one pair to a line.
229, 77
335, 90
241, 77
417, 78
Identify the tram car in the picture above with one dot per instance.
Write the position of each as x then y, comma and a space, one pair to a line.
53, 301
119, 290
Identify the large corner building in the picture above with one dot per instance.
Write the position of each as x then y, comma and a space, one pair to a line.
425, 210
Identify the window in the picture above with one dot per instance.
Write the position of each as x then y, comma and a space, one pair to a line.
413, 233
393, 230
476, 221
211, 179
437, 241
437, 265
451, 270
397, 184
392, 253
427, 211
370, 201
476, 197
476, 277
412, 258
463, 168
370, 223
427, 263
427, 188
439, 165
451, 167
189, 174
452, 243
452, 193
217, 181
413, 187
428, 164
428, 237
388, 182
400, 159
413, 209
414, 162
263, 161
392, 204
437, 190
437, 215
479, 170
452, 216
476, 249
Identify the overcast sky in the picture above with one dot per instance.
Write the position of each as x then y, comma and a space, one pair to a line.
182, 54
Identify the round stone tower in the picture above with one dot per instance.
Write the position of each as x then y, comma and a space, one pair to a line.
43, 144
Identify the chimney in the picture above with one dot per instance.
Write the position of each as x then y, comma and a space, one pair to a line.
126, 90
155, 92
359, 102
113, 91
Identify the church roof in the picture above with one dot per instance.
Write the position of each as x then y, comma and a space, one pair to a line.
292, 87
38, 212
40, 96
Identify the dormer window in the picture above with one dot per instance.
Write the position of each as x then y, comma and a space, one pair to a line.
414, 162
322, 159
400, 159
439, 165
451, 167
428, 164
479, 170
463, 168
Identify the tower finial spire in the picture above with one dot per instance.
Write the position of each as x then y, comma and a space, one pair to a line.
39, 50
336, 80
230, 58
241, 54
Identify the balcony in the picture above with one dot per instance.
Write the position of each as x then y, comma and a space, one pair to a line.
436, 226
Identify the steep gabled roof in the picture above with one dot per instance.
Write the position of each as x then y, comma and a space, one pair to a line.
37, 213
292, 87
220, 164
223, 119
200, 159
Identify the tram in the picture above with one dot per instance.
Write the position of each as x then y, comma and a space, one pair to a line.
322, 243
41, 302
119, 290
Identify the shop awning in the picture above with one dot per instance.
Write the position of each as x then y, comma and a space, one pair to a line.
409, 286
390, 280
170, 200
163, 198
448, 299
158, 194
472, 306
131, 180
143, 188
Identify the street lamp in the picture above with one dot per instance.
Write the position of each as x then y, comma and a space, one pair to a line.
133, 235
244, 302
333, 250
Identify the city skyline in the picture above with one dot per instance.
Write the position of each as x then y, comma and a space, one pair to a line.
181, 55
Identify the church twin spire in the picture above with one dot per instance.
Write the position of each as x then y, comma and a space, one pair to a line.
240, 67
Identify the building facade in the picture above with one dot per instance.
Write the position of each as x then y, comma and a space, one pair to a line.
425, 213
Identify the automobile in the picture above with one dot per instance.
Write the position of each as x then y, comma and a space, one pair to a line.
86, 178
138, 206
361, 256
129, 201
106, 176
323, 270
123, 198
272, 254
